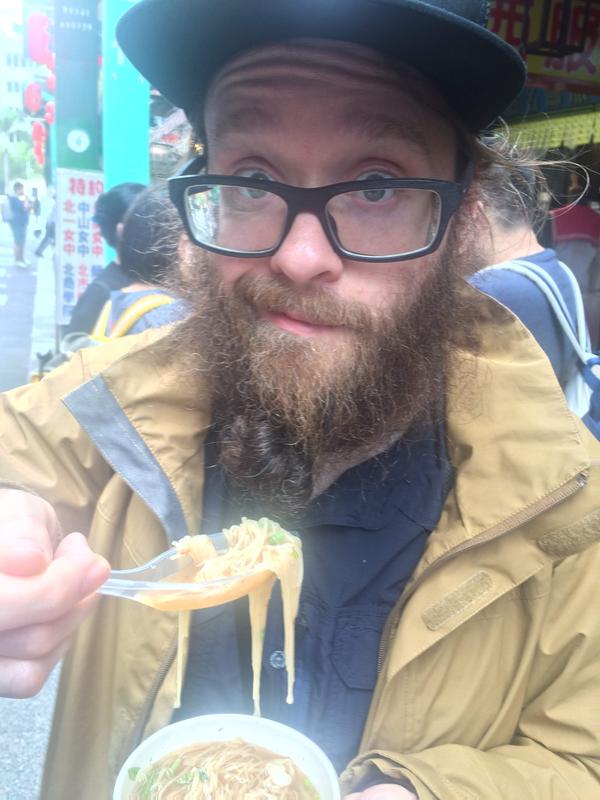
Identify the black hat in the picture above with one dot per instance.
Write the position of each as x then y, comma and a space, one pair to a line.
178, 45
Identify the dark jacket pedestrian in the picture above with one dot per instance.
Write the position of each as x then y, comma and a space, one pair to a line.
18, 219
110, 210
147, 250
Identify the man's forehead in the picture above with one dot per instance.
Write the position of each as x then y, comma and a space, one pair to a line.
247, 117
370, 94
255, 74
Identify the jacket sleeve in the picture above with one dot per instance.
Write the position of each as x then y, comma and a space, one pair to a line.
555, 751
44, 450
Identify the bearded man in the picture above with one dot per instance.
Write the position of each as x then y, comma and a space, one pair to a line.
337, 374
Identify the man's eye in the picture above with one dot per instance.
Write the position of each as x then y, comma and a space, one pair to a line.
376, 195
257, 175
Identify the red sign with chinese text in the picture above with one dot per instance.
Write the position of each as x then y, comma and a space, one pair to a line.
578, 72
79, 246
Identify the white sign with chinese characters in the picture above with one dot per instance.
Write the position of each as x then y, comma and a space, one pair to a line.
79, 245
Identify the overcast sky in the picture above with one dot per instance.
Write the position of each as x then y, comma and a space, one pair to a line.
10, 11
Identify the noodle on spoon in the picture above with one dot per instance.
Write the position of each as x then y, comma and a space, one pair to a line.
259, 552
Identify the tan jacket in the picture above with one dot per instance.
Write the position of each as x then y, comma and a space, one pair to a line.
489, 684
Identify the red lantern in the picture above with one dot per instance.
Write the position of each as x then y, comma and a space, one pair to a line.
38, 151
51, 83
38, 133
38, 37
32, 98
50, 60
49, 116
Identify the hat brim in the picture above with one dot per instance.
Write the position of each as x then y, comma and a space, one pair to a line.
178, 45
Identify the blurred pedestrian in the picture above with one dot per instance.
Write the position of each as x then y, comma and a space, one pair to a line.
36, 212
17, 215
147, 250
576, 239
50, 232
110, 210
531, 281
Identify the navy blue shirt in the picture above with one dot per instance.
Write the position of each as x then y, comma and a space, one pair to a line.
361, 541
20, 214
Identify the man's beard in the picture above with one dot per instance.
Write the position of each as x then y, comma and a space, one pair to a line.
286, 405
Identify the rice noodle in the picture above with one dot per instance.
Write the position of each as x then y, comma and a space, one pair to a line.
222, 771
259, 552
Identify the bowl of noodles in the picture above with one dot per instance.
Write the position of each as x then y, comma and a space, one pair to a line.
223, 756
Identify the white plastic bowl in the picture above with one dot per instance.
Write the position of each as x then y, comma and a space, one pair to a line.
281, 739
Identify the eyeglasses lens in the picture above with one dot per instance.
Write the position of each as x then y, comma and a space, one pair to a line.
383, 222
236, 217
371, 222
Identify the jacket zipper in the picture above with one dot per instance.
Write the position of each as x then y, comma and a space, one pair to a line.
136, 736
571, 487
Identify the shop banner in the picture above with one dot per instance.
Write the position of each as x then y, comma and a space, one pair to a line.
79, 245
579, 72
78, 124
79, 253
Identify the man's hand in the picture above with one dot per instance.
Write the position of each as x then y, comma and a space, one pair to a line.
383, 791
45, 591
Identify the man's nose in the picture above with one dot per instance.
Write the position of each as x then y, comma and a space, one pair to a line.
306, 254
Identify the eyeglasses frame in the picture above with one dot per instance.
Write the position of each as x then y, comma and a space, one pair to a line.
313, 200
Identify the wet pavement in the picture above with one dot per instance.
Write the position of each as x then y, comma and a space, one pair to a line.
26, 312
24, 732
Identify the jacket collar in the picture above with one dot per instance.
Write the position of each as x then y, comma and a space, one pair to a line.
511, 436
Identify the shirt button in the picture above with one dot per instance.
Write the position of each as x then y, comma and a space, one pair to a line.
277, 659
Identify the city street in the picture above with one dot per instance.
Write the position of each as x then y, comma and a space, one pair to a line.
26, 311
26, 328
24, 730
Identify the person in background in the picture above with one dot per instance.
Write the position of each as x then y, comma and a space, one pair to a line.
576, 239
532, 282
50, 230
147, 251
110, 210
36, 210
338, 374
19, 211
511, 216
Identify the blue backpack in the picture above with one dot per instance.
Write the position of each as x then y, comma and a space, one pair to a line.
582, 391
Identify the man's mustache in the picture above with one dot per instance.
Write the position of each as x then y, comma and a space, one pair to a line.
315, 306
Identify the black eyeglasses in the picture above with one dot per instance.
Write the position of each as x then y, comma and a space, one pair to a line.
379, 219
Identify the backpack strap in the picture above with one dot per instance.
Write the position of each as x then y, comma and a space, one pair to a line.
136, 311
99, 329
576, 334
129, 317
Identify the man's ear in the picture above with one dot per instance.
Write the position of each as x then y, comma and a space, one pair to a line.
119, 231
473, 222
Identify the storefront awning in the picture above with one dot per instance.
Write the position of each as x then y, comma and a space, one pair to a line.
569, 130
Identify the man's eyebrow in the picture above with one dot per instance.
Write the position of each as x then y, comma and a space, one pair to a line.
242, 119
385, 126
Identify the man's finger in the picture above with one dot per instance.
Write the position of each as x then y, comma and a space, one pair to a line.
38, 641
48, 596
383, 791
23, 557
28, 532
20, 679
